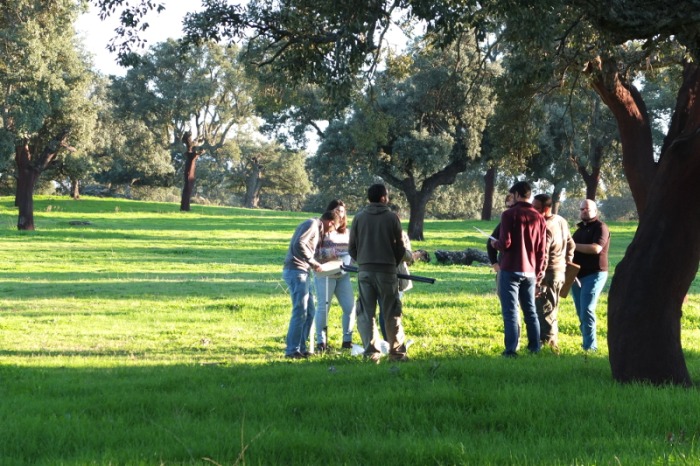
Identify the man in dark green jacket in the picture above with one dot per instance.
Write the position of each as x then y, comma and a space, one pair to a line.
376, 246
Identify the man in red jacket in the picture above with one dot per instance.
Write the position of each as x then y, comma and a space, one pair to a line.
523, 244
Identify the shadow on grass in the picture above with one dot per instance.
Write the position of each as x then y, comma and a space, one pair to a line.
112, 285
134, 411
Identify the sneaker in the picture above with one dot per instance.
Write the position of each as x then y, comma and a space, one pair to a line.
509, 354
347, 345
321, 348
374, 357
296, 355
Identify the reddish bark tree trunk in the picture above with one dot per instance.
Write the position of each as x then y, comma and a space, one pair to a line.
28, 171
26, 178
591, 180
191, 156
489, 189
647, 291
418, 201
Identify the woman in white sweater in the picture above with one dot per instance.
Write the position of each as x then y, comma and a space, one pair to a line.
334, 246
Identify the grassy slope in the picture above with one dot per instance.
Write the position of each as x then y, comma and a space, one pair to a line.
153, 336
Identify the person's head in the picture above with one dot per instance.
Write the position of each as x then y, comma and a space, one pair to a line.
330, 220
521, 191
509, 201
378, 193
542, 203
589, 210
339, 206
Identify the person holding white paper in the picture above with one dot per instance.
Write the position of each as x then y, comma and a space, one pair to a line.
334, 248
297, 264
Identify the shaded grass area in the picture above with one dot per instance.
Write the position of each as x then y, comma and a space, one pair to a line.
151, 336
468, 410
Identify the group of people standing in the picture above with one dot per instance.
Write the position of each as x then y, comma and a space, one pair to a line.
530, 250
375, 242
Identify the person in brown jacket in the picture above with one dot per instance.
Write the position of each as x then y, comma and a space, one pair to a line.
560, 250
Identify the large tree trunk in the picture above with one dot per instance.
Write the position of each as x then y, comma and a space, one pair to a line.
556, 198
191, 156
26, 179
28, 171
75, 188
591, 179
629, 109
418, 201
647, 291
254, 184
190, 178
489, 189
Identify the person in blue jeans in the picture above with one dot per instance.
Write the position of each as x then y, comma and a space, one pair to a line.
334, 246
297, 263
522, 242
592, 240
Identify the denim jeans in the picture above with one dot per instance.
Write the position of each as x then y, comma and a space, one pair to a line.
303, 310
513, 289
326, 288
586, 299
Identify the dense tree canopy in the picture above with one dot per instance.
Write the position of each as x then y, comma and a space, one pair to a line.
420, 125
45, 85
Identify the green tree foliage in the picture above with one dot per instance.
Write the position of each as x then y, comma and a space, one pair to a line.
268, 175
124, 152
45, 86
175, 90
335, 173
417, 128
576, 136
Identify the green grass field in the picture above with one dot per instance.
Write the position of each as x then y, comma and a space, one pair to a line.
150, 336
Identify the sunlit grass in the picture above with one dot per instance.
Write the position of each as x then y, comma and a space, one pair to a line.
151, 336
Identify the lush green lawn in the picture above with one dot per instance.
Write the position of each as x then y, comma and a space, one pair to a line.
152, 336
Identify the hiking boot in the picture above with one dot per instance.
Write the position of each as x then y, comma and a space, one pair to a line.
553, 345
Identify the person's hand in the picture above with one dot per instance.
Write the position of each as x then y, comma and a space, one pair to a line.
496, 268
